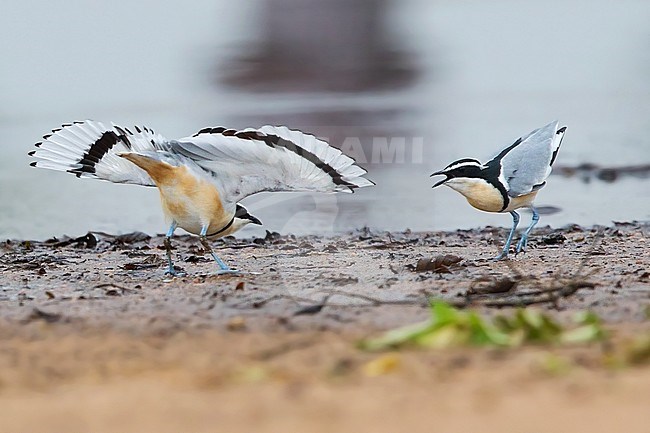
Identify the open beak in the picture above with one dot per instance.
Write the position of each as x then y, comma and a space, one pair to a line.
438, 173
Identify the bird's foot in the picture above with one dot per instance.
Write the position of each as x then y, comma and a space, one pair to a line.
501, 256
521, 246
174, 273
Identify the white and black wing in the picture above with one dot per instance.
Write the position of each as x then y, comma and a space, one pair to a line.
525, 165
90, 149
271, 158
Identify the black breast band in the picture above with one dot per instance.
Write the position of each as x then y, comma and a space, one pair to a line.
226, 227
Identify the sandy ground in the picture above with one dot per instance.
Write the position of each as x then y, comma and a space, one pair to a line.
94, 338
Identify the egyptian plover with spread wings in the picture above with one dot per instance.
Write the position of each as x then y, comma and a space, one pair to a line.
510, 180
201, 178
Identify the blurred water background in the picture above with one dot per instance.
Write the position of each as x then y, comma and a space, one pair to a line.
406, 86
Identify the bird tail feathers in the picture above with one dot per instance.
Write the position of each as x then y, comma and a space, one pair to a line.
91, 149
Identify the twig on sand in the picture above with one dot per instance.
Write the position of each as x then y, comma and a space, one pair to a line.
541, 296
312, 306
561, 287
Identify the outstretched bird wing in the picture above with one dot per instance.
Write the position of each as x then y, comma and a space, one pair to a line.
525, 165
90, 149
240, 163
271, 158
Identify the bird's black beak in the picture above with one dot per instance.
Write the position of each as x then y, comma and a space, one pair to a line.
438, 173
254, 220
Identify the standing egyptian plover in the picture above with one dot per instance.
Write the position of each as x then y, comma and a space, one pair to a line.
201, 178
510, 180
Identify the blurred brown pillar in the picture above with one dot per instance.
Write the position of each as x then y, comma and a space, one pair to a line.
311, 45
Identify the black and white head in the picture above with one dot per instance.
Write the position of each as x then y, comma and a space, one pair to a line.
479, 184
243, 218
459, 172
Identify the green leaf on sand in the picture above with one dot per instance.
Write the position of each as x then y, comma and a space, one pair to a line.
451, 327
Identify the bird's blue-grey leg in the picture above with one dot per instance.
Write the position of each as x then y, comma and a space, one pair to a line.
506, 248
521, 246
224, 268
168, 249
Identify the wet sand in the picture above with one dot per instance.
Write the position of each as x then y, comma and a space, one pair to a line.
94, 338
